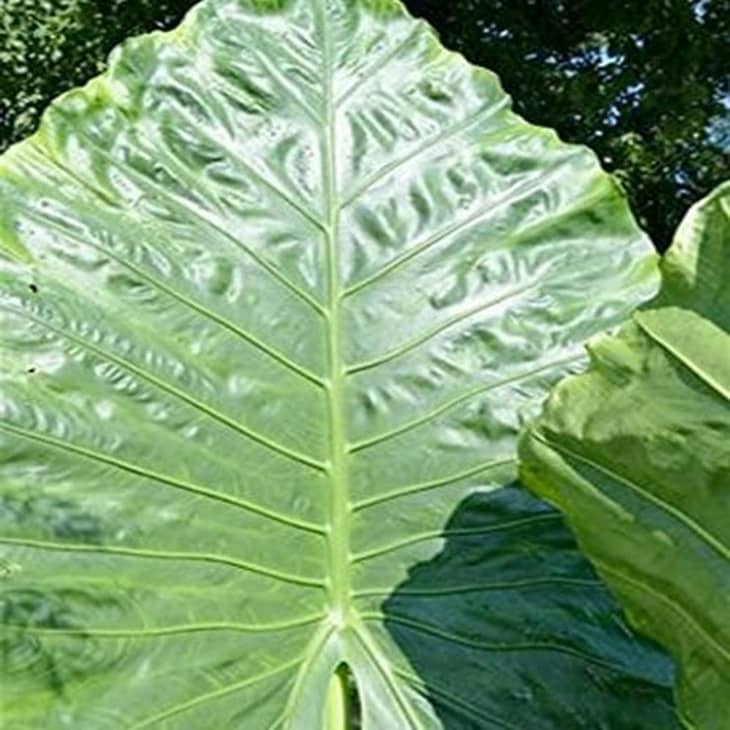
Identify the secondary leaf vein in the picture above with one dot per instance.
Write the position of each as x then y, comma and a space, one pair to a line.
162, 478
163, 555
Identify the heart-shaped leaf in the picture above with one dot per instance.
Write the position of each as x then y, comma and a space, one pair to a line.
277, 293
637, 452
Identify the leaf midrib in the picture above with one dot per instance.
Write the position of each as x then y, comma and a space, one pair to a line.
686, 360
342, 616
339, 518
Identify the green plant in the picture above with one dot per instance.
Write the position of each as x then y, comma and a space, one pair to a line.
277, 293
637, 452
644, 83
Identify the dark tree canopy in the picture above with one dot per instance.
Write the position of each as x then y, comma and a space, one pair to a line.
50, 46
645, 83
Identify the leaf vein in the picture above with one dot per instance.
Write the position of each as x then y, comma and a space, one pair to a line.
456, 532
526, 646
479, 587
163, 555
481, 114
161, 478
423, 339
179, 394
162, 631
671, 603
492, 207
187, 208
186, 301
425, 486
474, 392
211, 696
373, 651
448, 698
678, 355
381, 63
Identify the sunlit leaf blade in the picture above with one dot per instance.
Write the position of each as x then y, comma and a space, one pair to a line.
637, 453
277, 293
696, 269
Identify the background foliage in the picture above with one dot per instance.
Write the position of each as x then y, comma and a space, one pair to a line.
645, 83
49, 46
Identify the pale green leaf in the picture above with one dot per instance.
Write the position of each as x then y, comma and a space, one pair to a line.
277, 293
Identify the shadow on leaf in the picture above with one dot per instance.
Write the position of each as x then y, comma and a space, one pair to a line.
538, 640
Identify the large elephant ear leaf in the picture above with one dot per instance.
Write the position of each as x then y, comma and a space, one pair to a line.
637, 453
276, 294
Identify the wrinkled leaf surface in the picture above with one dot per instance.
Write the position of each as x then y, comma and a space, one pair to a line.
276, 294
